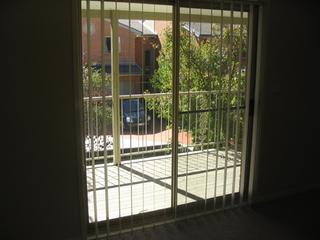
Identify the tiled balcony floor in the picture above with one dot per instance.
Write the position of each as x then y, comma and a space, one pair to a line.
145, 184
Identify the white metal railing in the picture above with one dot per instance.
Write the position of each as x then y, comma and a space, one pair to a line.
149, 124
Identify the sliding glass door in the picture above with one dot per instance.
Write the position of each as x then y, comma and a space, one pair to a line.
165, 108
211, 112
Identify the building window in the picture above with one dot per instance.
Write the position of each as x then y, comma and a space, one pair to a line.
149, 61
107, 44
147, 58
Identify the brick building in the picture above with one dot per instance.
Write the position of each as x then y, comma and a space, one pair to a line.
137, 51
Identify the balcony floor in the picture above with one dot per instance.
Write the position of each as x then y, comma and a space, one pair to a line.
145, 184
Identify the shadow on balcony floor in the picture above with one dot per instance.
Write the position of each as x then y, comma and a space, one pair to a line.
289, 218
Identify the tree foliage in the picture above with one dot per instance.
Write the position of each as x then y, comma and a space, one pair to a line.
211, 77
93, 110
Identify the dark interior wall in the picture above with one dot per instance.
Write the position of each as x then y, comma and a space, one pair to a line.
40, 185
287, 160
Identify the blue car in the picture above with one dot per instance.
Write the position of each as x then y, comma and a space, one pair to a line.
134, 115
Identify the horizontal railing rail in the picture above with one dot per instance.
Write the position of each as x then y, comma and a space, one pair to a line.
144, 128
152, 95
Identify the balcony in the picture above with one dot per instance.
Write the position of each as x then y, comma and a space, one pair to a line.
142, 182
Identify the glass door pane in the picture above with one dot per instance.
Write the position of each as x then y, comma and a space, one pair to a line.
211, 105
129, 139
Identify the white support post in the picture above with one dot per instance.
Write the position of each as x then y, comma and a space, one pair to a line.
115, 88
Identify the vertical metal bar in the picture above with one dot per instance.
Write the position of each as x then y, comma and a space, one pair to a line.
119, 198
153, 122
153, 101
162, 103
182, 116
116, 100
138, 128
219, 106
236, 139
88, 124
138, 109
215, 115
196, 130
145, 123
168, 123
122, 127
90, 120
153, 147
103, 83
161, 123
97, 123
96, 136
153, 125
228, 106
130, 124
115, 87
189, 104
216, 145
175, 103
210, 101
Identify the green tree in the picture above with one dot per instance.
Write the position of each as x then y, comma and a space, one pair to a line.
98, 88
209, 78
